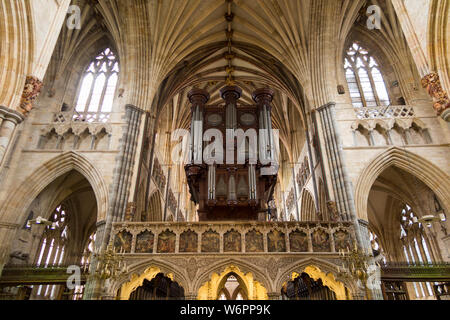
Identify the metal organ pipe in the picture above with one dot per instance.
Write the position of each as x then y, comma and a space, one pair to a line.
263, 99
198, 99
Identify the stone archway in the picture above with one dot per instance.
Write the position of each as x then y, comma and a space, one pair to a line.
14, 211
432, 176
15, 206
254, 290
317, 269
438, 46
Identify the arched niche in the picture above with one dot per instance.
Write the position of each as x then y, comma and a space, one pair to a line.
160, 287
328, 280
211, 289
137, 280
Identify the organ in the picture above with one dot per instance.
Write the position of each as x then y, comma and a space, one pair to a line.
232, 175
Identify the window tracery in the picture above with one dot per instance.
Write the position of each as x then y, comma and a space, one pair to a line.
364, 78
98, 87
53, 247
415, 247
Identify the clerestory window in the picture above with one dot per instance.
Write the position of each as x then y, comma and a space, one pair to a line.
365, 81
98, 87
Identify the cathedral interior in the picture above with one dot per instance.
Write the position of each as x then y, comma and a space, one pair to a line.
224, 150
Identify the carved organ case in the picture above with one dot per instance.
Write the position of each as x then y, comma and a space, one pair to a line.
240, 187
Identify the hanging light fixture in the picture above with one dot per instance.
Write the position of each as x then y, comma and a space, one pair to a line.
42, 222
429, 219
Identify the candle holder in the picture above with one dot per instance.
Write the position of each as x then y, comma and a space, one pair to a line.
355, 265
109, 265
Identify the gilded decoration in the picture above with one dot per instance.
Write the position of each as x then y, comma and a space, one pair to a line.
210, 290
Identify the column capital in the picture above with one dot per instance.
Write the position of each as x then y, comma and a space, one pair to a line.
11, 115
198, 96
231, 92
263, 96
325, 106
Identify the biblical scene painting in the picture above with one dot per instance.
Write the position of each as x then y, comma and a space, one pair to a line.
342, 240
276, 241
144, 242
188, 241
254, 241
321, 241
122, 242
232, 241
298, 241
210, 241
166, 242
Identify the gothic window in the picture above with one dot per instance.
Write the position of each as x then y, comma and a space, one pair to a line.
98, 88
53, 245
232, 290
365, 82
415, 248
85, 261
376, 246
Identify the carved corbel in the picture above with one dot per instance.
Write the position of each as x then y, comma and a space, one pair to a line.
432, 83
30, 92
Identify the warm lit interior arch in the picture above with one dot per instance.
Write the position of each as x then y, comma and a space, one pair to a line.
210, 290
137, 280
328, 280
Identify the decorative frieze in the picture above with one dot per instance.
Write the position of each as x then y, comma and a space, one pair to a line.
81, 135
385, 112
239, 237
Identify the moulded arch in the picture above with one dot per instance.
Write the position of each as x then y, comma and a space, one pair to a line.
317, 269
14, 209
437, 180
231, 265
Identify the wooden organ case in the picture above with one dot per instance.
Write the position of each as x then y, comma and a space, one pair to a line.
232, 190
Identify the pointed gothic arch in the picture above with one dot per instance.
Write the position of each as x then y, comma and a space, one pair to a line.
155, 207
15, 208
308, 208
431, 175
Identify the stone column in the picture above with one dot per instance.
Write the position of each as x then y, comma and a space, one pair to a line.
119, 191
9, 119
7, 233
296, 193
342, 186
